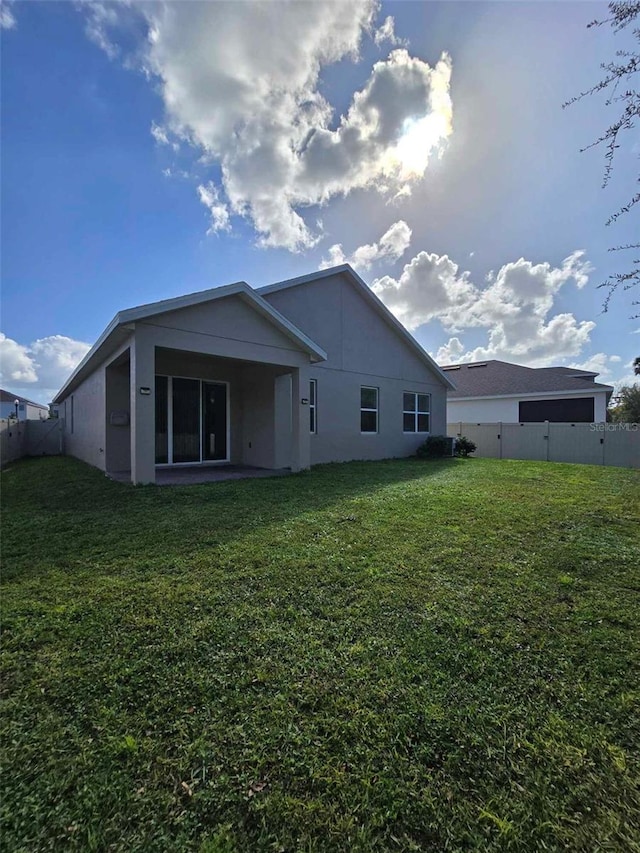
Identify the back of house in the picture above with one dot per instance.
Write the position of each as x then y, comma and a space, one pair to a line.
310, 370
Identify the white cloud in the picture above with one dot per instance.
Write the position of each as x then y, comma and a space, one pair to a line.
610, 369
620, 379
7, 18
16, 365
599, 363
451, 352
218, 210
386, 32
430, 286
240, 84
514, 306
99, 17
160, 135
43, 365
391, 246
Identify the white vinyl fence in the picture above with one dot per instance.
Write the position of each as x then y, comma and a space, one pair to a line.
30, 438
590, 444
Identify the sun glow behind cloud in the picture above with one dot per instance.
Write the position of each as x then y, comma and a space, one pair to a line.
416, 145
422, 136
253, 106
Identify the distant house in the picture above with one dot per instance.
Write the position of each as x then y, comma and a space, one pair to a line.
314, 369
497, 391
27, 409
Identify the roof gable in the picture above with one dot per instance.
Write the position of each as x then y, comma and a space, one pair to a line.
123, 324
369, 296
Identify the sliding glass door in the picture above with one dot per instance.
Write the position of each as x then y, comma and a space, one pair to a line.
191, 421
186, 420
214, 421
162, 420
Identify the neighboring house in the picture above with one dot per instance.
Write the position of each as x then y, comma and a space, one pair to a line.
310, 370
27, 409
496, 391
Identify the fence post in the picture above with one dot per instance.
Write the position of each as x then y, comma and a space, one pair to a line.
500, 440
547, 437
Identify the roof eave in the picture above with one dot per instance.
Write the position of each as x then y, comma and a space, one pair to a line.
598, 389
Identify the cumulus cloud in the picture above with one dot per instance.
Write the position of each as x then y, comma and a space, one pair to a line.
599, 363
451, 353
42, 366
430, 286
610, 369
391, 246
513, 305
16, 365
241, 84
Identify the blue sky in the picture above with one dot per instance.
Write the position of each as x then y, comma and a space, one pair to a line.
150, 150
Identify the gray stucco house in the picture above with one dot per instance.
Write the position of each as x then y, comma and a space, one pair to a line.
310, 370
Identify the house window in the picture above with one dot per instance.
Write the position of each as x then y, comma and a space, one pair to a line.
415, 412
313, 426
368, 409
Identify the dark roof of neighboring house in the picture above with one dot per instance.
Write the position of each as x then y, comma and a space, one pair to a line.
8, 397
497, 378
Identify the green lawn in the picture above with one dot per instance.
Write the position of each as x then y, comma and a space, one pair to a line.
406, 655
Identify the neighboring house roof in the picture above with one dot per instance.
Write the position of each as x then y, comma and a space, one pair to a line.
8, 397
374, 301
501, 379
120, 327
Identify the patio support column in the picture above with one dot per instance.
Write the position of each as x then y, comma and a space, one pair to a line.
300, 435
143, 440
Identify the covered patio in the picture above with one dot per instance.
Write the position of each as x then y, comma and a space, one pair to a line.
216, 378
179, 396
190, 475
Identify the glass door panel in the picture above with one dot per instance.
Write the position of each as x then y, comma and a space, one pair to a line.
162, 420
214, 420
186, 420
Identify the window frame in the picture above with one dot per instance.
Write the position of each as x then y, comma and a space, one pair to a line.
376, 410
416, 412
313, 406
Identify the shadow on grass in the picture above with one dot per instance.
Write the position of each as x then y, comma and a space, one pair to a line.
59, 513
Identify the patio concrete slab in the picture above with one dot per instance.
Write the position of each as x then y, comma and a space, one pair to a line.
194, 474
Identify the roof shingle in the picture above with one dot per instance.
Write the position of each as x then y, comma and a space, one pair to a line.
495, 378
